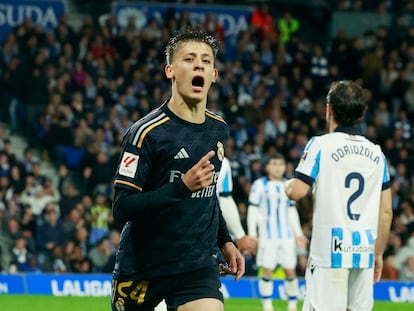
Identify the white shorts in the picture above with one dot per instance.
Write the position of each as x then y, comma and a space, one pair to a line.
272, 253
338, 289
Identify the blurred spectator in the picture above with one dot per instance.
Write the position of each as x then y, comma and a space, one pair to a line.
31, 193
287, 25
23, 260
372, 64
5, 242
8, 151
82, 240
58, 264
70, 193
406, 273
100, 254
212, 25
262, 20
389, 272
79, 263
13, 230
403, 253
98, 217
49, 234
72, 221
407, 212
319, 69
98, 177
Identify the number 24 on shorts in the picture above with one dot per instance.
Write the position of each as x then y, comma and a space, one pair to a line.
137, 294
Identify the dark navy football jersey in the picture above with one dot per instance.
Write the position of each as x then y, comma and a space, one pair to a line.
181, 236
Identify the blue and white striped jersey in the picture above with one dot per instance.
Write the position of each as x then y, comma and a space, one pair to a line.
225, 181
273, 218
348, 173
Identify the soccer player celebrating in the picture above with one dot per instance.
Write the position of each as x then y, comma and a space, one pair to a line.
275, 218
352, 206
165, 192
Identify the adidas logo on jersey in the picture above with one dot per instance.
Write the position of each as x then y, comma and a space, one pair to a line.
182, 154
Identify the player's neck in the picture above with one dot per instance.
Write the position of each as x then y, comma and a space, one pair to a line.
275, 178
332, 126
194, 113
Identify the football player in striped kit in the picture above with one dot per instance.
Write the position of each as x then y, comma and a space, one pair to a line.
352, 206
274, 218
165, 193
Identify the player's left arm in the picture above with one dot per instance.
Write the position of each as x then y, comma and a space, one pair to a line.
384, 226
384, 222
301, 240
235, 263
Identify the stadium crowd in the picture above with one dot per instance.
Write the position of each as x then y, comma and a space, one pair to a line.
72, 94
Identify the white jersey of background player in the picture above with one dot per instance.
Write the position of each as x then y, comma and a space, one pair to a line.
352, 207
275, 219
230, 211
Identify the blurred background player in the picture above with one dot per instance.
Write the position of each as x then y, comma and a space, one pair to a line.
245, 243
352, 206
275, 219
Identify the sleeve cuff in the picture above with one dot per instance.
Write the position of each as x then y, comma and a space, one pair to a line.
181, 189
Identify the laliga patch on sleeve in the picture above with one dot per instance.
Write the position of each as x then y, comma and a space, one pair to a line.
129, 164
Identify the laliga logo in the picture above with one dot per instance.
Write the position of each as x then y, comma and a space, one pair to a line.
124, 15
405, 294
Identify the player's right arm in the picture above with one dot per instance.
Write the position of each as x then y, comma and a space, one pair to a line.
125, 207
296, 189
305, 173
255, 197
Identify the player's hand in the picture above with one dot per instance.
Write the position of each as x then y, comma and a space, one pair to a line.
201, 174
378, 268
302, 242
247, 245
234, 259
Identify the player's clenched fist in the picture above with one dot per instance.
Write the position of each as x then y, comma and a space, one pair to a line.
201, 174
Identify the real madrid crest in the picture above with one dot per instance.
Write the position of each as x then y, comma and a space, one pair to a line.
220, 151
120, 304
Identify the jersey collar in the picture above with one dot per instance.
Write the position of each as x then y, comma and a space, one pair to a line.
353, 130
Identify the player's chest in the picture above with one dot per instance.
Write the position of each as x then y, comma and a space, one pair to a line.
274, 195
186, 148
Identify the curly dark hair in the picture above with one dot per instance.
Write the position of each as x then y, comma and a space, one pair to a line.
189, 34
348, 102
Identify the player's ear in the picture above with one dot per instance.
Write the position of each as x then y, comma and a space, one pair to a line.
328, 109
215, 75
169, 71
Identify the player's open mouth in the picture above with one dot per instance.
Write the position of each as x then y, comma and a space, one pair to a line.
197, 83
